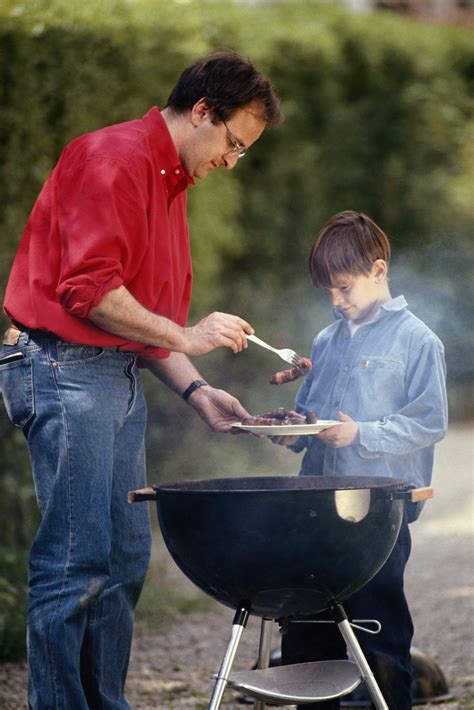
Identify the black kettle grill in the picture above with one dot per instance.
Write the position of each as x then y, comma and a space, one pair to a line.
281, 548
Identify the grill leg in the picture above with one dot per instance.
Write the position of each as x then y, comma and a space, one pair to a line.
264, 653
360, 660
238, 626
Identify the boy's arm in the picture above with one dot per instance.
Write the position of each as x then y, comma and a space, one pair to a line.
423, 421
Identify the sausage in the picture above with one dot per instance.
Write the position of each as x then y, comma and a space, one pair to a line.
276, 417
281, 413
280, 378
300, 370
261, 421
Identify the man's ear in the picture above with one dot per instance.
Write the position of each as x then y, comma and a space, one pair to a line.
200, 112
379, 270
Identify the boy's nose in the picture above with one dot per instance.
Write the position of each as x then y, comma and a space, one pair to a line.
335, 296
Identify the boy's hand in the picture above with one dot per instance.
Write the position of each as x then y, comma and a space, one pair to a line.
341, 435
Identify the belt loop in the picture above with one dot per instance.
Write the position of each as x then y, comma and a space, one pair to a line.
53, 349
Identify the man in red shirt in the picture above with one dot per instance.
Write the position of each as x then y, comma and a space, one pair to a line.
101, 280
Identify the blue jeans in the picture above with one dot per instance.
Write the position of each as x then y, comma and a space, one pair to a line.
82, 411
388, 653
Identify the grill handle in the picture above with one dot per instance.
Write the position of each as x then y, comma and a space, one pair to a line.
413, 495
141, 495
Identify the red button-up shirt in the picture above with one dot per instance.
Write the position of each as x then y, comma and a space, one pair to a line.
112, 213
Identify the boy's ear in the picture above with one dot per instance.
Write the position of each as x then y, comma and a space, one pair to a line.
379, 270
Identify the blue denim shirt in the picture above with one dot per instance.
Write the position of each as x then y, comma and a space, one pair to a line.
390, 378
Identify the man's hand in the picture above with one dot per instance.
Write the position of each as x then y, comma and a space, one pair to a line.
217, 330
219, 409
341, 435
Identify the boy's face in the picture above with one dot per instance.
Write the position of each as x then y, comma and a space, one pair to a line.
359, 297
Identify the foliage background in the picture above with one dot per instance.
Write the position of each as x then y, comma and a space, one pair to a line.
378, 118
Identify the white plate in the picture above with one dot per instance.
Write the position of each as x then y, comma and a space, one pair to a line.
288, 429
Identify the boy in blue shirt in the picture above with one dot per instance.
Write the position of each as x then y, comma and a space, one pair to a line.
381, 372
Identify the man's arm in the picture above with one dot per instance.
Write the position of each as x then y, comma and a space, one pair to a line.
121, 314
216, 407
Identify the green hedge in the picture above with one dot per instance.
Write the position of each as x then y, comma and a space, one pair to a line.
378, 118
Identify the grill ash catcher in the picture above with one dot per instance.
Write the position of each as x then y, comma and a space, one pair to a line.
283, 548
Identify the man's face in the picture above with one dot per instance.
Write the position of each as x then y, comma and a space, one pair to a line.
359, 297
210, 144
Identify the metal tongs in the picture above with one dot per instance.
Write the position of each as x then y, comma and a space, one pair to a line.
285, 353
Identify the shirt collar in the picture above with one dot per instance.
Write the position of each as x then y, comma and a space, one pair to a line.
166, 156
386, 309
395, 304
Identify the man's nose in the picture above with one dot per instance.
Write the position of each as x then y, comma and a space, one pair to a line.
230, 160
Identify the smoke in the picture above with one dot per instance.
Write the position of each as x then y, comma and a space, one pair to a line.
438, 285
439, 288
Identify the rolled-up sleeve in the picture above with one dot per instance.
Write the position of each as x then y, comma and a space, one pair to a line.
102, 226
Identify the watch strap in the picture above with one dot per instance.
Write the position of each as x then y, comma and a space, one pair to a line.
192, 387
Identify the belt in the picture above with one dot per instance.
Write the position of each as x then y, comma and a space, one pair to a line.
12, 336
32, 331
19, 326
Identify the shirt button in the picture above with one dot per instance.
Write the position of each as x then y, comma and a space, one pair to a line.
346, 368
163, 172
176, 172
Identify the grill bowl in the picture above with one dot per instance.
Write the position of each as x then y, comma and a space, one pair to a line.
280, 546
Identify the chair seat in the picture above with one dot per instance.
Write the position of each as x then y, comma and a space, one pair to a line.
299, 683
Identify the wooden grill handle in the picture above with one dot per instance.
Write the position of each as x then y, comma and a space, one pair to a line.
141, 494
416, 494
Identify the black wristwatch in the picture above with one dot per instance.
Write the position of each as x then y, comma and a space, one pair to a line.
192, 387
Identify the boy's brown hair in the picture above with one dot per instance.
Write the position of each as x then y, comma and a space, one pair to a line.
348, 244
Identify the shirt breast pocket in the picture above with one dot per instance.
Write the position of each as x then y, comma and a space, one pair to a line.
16, 382
382, 377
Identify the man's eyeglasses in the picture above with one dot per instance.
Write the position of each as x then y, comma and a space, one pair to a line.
237, 149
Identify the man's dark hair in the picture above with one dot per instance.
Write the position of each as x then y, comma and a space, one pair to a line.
228, 82
348, 244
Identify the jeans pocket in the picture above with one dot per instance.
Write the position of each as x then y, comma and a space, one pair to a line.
130, 371
71, 354
16, 379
